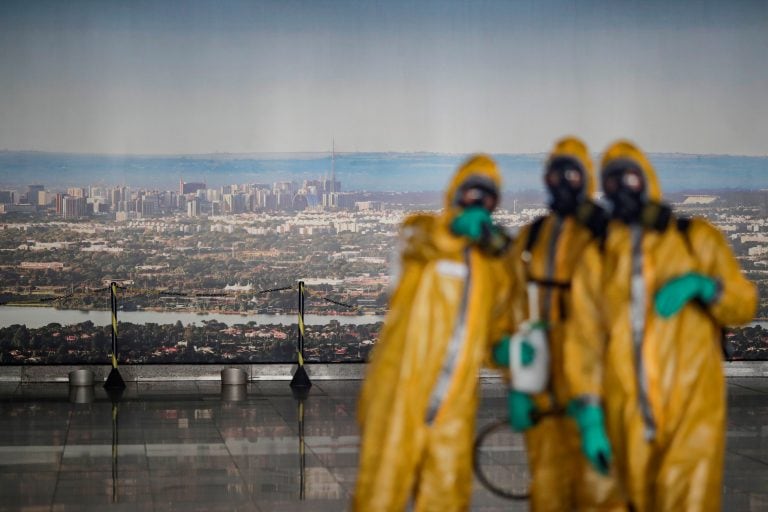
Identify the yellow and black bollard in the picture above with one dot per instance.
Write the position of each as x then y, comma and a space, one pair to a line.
114, 380
300, 383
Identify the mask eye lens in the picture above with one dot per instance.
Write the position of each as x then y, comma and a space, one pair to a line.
478, 196
633, 181
628, 178
472, 196
552, 178
564, 171
611, 183
574, 178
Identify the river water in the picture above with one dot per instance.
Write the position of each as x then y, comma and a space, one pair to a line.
35, 317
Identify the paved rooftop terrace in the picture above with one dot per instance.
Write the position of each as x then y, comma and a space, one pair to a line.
184, 446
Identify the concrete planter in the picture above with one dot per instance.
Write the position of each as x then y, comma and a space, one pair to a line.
81, 378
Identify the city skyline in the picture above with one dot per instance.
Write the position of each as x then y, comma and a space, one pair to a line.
439, 76
397, 172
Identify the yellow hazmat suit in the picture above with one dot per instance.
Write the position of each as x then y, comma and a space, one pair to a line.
418, 402
660, 379
562, 478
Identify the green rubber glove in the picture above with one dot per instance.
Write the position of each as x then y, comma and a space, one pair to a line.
594, 441
677, 292
501, 352
472, 223
521, 409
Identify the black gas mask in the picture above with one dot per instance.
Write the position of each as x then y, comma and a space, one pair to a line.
565, 180
625, 189
477, 191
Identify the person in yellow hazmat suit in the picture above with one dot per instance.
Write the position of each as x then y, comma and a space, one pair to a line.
546, 253
643, 347
418, 402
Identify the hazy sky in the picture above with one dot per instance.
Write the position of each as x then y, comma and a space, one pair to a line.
389, 75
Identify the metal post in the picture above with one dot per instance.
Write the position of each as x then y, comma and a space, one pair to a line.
300, 382
301, 322
114, 380
113, 309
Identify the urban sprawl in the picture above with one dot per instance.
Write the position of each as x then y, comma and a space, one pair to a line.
240, 250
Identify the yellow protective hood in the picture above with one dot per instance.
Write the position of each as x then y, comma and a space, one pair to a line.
574, 148
625, 150
479, 165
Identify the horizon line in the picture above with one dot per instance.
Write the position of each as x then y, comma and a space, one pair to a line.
311, 152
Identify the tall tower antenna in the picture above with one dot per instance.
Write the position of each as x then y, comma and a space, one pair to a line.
333, 165
325, 179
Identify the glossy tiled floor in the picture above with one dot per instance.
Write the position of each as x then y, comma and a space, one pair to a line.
181, 447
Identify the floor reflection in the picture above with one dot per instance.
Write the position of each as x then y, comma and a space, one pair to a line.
114, 450
184, 446
81, 394
302, 452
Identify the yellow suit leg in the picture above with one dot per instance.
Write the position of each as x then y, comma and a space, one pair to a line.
690, 473
388, 468
552, 463
446, 474
562, 478
634, 457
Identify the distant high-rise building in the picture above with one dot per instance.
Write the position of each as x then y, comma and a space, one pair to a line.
764, 203
331, 188
97, 205
18, 208
285, 187
135, 205
330, 200
94, 191
74, 207
150, 205
42, 198
32, 191
7, 197
235, 203
60, 203
270, 201
283, 200
346, 200
115, 197
312, 190
77, 192
263, 199
193, 208
168, 199
257, 186
190, 188
300, 202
